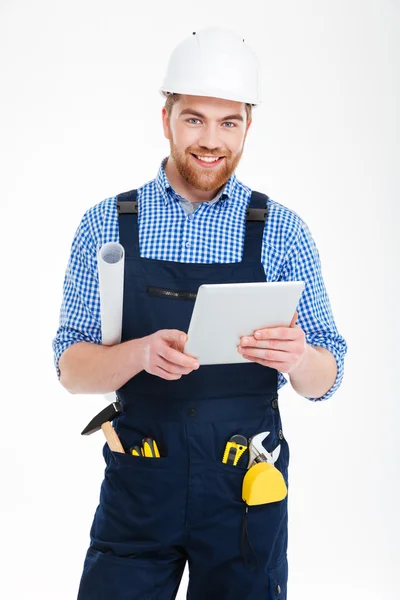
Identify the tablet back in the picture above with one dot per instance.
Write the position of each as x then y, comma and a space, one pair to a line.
223, 313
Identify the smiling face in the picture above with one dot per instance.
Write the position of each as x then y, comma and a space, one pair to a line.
206, 137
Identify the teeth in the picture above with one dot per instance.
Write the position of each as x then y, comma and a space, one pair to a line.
207, 158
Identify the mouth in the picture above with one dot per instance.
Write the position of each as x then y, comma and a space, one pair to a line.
208, 162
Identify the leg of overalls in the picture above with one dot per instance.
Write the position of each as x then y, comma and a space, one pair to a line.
123, 578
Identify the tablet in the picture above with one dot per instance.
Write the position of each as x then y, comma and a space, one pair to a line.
224, 312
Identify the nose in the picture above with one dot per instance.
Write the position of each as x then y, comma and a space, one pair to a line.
209, 138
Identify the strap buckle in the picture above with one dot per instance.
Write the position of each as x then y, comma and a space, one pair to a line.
256, 214
127, 207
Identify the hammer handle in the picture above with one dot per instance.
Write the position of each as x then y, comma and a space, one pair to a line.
112, 438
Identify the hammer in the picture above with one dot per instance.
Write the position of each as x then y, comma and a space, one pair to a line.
103, 421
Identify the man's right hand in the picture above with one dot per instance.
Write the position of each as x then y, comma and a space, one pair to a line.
163, 354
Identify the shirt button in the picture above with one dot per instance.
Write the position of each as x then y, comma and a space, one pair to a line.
187, 244
278, 589
280, 434
274, 403
192, 412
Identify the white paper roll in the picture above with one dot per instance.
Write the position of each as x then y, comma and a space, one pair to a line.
111, 262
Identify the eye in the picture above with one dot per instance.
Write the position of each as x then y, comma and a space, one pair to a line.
192, 119
230, 123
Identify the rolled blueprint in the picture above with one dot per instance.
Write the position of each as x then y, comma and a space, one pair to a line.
111, 262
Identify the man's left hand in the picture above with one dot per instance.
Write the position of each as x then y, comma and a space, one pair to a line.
281, 348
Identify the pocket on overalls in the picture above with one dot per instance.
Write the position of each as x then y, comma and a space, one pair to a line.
228, 478
229, 481
143, 478
232, 475
129, 460
277, 581
261, 528
141, 497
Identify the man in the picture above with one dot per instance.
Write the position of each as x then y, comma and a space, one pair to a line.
191, 228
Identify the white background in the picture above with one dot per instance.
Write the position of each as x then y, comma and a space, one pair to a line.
80, 121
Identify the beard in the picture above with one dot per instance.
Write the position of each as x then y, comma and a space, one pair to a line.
206, 180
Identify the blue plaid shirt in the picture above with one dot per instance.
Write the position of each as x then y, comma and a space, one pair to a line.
213, 233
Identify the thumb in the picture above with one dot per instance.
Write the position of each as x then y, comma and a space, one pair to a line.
174, 335
294, 319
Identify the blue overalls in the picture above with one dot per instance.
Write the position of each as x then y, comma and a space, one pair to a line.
156, 513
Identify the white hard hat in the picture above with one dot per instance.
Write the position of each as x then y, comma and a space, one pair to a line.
214, 62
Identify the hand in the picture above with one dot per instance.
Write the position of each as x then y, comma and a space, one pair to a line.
163, 354
281, 348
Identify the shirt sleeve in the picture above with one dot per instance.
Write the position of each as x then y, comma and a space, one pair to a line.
314, 311
80, 309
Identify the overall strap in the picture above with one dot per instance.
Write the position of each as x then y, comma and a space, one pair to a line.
255, 222
128, 227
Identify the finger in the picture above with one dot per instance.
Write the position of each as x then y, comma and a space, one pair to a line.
173, 335
293, 321
172, 367
276, 333
178, 358
268, 355
282, 366
271, 344
160, 372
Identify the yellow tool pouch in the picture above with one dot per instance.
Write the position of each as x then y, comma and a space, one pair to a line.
263, 483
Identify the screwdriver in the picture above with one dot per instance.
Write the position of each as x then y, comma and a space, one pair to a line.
150, 448
136, 451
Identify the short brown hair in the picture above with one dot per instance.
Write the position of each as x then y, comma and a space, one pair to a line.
173, 98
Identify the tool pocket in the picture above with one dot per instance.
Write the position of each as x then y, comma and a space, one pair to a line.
224, 489
228, 484
127, 460
277, 581
137, 495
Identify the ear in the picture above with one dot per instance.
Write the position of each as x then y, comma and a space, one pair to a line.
247, 130
165, 122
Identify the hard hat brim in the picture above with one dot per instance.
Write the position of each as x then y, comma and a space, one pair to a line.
213, 93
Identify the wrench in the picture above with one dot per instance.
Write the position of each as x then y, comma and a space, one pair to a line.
257, 452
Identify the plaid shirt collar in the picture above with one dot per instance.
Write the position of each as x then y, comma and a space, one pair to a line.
168, 193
